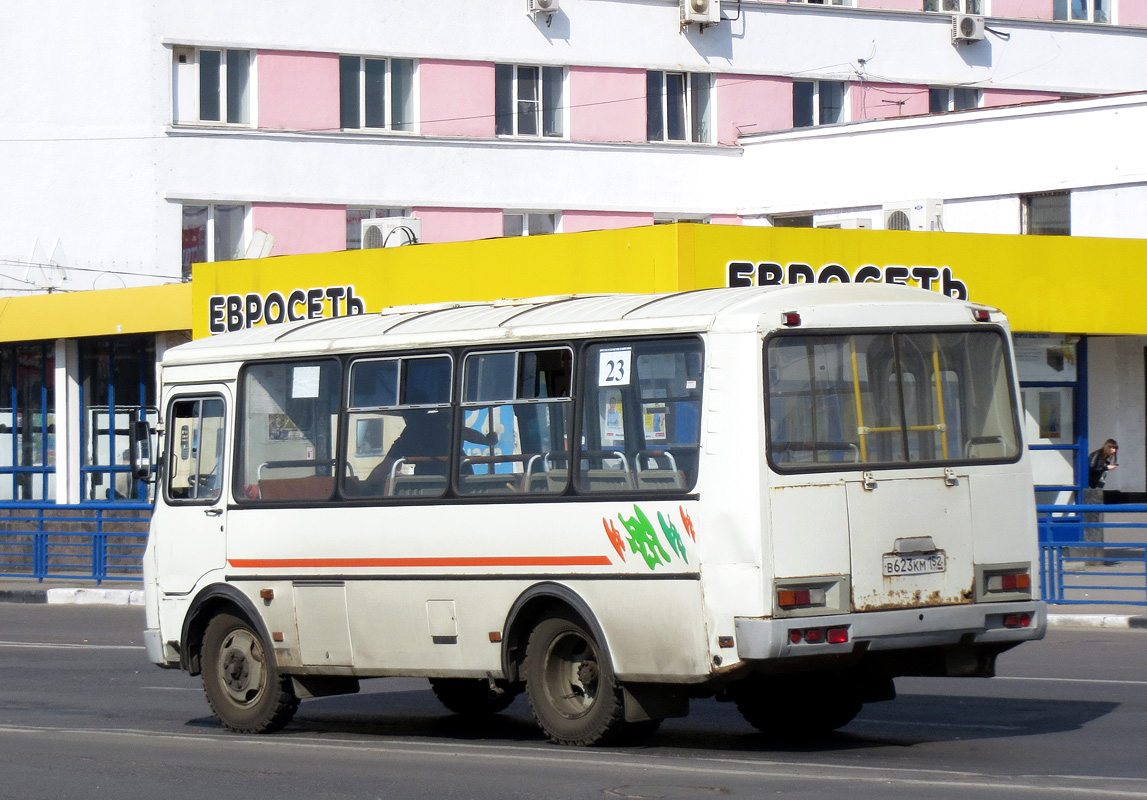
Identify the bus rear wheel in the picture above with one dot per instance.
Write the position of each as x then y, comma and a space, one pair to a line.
572, 690
470, 697
242, 682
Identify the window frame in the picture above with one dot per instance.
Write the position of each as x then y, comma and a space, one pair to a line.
695, 131
212, 231
1027, 213
1093, 10
950, 94
224, 90
526, 218
389, 101
839, 3
977, 7
170, 447
549, 114
239, 449
817, 103
798, 468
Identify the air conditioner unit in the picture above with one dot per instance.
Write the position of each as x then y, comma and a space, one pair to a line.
854, 223
390, 232
546, 7
967, 28
919, 215
702, 12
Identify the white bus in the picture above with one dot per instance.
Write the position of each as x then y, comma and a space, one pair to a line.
784, 497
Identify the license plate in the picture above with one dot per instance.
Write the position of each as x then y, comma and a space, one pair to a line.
922, 564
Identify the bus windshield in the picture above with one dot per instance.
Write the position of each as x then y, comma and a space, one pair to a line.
887, 399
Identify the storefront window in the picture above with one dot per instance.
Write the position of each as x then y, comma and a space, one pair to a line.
117, 387
27, 422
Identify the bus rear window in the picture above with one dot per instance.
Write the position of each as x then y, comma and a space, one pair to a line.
889, 399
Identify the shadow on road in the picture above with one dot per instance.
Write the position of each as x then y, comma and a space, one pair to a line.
711, 726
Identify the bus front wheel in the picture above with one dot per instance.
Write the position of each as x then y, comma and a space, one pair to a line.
572, 690
242, 682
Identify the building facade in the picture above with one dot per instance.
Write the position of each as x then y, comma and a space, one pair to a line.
181, 134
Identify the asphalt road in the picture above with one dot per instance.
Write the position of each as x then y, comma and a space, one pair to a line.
84, 715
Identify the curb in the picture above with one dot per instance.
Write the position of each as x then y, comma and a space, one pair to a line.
74, 596
1096, 621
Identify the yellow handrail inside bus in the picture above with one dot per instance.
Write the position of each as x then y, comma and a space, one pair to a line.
943, 426
860, 429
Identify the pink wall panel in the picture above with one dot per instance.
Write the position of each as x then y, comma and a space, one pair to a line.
301, 228
1131, 12
881, 100
577, 221
1022, 9
1004, 97
298, 91
607, 105
726, 219
459, 224
456, 98
752, 104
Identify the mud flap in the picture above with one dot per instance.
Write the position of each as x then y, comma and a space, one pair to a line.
649, 701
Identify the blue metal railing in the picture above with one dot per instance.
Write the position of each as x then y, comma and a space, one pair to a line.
88, 541
1076, 571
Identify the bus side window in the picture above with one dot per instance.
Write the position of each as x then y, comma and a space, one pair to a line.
195, 450
398, 427
516, 412
288, 430
642, 416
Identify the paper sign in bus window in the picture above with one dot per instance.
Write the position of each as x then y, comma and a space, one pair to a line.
305, 382
613, 366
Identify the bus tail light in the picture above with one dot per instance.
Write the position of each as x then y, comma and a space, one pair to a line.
1018, 620
819, 635
800, 598
1003, 582
791, 319
981, 315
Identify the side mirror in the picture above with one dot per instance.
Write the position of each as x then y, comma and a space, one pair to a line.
140, 450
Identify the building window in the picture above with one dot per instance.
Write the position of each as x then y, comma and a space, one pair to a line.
212, 233
955, 6
212, 85
27, 422
1046, 214
364, 86
355, 216
678, 106
117, 388
670, 219
1082, 10
957, 99
793, 221
519, 223
819, 103
528, 101
826, 2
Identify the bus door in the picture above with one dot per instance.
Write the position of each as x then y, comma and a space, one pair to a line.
189, 526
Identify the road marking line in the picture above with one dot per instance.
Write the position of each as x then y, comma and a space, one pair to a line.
72, 646
1072, 680
805, 772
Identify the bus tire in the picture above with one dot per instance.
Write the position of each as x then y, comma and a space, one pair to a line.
570, 683
241, 680
470, 697
797, 707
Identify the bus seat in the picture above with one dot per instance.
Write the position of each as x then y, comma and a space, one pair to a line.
547, 482
660, 479
310, 487
417, 486
606, 480
494, 483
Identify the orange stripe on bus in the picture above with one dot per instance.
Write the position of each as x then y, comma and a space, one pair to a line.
470, 561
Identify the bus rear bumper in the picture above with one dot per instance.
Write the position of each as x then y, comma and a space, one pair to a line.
902, 629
